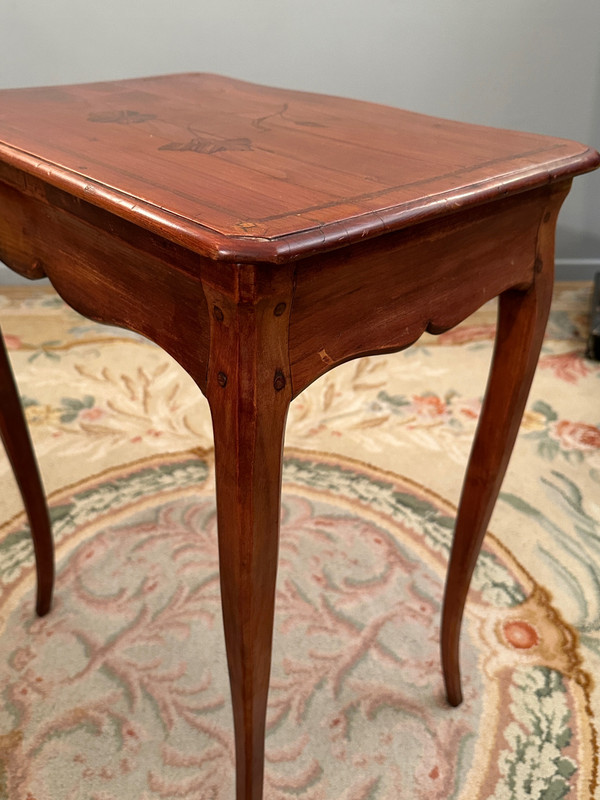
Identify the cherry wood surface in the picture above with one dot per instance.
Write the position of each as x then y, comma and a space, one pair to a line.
522, 318
262, 237
227, 165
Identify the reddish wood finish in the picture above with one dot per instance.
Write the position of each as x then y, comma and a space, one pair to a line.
381, 295
247, 173
263, 236
15, 437
522, 318
249, 392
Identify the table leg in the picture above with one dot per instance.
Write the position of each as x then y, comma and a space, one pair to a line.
522, 318
249, 393
15, 437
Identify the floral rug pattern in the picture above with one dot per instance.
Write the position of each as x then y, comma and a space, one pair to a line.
122, 692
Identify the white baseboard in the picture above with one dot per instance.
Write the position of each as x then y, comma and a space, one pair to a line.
577, 269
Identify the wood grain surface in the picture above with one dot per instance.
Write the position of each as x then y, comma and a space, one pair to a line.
244, 172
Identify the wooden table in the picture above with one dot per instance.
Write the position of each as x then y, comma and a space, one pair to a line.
262, 237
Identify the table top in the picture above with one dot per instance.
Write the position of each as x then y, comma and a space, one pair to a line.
238, 171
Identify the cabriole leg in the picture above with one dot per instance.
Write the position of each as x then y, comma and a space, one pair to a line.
15, 437
249, 393
522, 318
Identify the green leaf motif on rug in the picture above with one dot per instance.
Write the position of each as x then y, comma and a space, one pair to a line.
546, 410
46, 349
574, 562
73, 405
491, 578
17, 549
534, 765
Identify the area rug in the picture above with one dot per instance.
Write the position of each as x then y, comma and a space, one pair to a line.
122, 692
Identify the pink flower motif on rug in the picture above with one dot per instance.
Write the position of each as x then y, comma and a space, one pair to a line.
569, 367
429, 406
12, 342
576, 435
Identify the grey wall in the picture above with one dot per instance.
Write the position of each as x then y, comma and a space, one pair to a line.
531, 65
